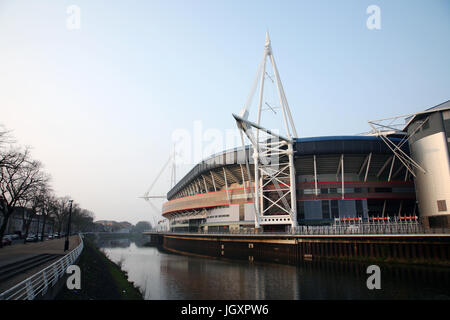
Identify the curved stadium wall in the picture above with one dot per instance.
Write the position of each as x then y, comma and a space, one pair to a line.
216, 194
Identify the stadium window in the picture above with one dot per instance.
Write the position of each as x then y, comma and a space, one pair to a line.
446, 118
346, 190
241, 212
383, 189
334, 209
403, 190
359, 208
442, 205
300, 210
325, 209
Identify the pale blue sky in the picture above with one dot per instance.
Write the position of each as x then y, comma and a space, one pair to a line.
98, 105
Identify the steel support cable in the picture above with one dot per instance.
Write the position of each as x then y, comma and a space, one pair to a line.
402, 156
402, 142
252, 90
158, 176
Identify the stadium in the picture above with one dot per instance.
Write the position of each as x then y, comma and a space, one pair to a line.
336, 177
278, 183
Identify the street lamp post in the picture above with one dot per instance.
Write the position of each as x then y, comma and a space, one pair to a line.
66, 243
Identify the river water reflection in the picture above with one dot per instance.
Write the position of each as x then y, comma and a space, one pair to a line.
161, 275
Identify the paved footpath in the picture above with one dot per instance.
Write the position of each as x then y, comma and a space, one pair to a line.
17, 252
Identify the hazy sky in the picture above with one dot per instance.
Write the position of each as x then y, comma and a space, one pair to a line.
99, 104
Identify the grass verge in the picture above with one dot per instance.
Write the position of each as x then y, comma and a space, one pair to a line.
101, 279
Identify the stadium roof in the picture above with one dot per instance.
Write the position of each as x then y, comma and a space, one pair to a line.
302, 146
440, 107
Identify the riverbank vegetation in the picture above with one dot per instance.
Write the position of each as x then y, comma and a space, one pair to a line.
101, 279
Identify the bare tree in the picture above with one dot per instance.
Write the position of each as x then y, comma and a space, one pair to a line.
83, 220
23, 185
5, 143
62, 212
142, 226
20, 176
50, 209
35, 203
5, 136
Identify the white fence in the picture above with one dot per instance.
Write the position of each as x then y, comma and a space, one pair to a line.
38, 284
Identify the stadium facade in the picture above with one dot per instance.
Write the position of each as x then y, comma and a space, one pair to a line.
389, 173
336, 178
429, 142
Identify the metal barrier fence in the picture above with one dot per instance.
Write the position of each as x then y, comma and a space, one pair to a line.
38, 284
342, 228
362, 229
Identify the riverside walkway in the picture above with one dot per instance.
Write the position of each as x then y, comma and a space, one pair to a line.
31, 258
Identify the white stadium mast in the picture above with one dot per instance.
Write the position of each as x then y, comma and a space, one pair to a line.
173, 180
280, 173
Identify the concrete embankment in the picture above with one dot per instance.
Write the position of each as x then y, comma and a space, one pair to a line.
425, 249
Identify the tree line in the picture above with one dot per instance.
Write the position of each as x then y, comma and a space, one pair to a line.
24, 184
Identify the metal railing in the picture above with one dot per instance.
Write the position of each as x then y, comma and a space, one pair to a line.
39, 283
362, 229
368, 227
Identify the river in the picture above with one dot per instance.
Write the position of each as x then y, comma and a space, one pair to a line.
162, 275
